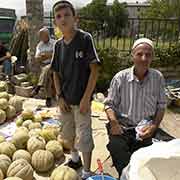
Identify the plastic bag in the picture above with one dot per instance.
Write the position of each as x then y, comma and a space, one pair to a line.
160, 161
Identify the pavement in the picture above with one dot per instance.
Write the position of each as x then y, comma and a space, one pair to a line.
170, 124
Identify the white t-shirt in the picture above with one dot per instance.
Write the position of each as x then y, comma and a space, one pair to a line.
45, 48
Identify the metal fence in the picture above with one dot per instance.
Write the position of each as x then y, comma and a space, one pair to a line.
164, 32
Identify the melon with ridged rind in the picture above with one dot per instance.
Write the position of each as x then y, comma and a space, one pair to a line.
7, 148
20, 168
5, 162
35, 143
64, 173
56, 148
22, 154
42, 160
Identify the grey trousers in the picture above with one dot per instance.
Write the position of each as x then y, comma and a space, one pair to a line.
45, 79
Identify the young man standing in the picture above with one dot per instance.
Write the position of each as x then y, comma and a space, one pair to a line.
75, 66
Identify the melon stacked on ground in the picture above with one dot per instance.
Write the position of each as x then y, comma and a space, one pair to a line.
9, 105
33, 147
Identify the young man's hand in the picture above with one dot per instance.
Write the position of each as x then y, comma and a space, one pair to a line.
85, 105
116, 128
64, 107
148, 131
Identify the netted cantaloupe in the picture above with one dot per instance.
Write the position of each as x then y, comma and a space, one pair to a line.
27, 123
35, 125
20, 168
19, 139
48, 134
65, 143
17, 103
34, 132
27, 115
3, 86
2, 139
3, 104
2, 116
4, 95
5, 162
35, 143
7, 148
64, 173
42, 160
22, 129
1, 175
13, 178
10, 112
56, 148
22, 154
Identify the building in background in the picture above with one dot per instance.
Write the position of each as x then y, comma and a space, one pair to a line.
134, 9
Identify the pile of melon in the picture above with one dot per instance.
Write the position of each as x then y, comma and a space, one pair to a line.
9, 105
33, 147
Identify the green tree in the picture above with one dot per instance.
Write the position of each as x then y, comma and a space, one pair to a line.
97, 11
118, 17
99, 15
162, 9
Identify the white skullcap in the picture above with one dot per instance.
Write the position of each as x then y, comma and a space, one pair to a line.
44, 29
141, 41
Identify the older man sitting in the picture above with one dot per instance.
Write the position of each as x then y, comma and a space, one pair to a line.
135, 94
44, 51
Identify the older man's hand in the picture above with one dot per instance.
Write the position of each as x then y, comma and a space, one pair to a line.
148, 131
116, 128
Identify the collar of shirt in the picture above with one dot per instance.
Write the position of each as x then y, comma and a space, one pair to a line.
132, 76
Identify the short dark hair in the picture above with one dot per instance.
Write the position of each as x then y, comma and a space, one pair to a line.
63, 4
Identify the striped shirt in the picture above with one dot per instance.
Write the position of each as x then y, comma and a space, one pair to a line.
136, 99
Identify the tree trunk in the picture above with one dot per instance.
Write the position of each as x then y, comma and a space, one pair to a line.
35, 13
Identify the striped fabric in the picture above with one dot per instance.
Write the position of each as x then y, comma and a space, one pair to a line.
147, 96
